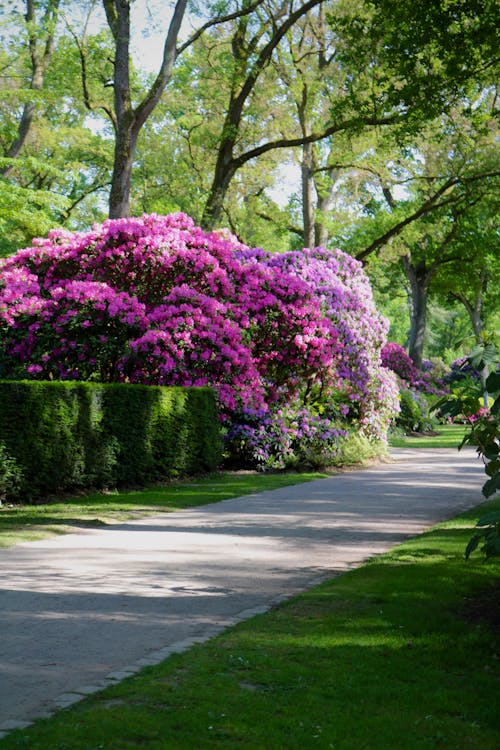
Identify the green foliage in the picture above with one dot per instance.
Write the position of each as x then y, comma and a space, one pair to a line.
484, 434
10, 474
65, 435
26, 213
414, 415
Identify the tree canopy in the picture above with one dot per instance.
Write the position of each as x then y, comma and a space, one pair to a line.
387, 110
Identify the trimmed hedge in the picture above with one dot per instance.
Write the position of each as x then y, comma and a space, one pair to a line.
62, 435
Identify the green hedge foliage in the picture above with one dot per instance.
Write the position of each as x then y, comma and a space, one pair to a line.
62, 435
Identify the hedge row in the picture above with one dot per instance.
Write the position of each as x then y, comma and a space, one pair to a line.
61, 435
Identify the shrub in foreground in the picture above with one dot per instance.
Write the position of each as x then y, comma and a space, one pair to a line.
484, 433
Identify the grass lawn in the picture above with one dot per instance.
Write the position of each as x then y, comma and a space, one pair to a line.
384, 657
21, 523
448, 436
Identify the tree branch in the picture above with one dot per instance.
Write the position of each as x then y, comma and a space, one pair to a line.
289, 227
84, 79
216, 22
312, 138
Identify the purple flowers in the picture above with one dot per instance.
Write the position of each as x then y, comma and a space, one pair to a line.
158, 300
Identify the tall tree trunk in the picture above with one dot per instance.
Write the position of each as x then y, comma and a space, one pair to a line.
325, 191
215, 202
474, 310
119, 195
128, 121
418, 279
474, 307
307, 194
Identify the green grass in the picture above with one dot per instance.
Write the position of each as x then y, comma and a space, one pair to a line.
448, 436
380, 658
21, 523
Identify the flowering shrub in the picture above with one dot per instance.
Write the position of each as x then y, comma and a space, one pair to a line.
350, 364
427, 380
157, 300
284, 437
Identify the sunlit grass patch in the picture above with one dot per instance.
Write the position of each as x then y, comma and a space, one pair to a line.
447, 436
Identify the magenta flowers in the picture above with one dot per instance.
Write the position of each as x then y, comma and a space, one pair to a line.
157, 300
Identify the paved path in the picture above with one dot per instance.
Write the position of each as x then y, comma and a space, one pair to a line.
83, 610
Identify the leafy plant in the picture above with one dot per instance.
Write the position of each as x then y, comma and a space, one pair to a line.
484, 434
10, 473
489, 534
414, 414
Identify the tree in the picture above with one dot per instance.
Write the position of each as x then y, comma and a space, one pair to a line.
352, 76
40, 40
127, 119
53, 162
474, 285
444, 175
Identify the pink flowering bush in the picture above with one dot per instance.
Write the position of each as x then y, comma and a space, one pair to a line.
157, 300
417, 387
428, 380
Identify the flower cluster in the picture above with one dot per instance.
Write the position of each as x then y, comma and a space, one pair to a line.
428, 380
350, 356
157, 300
396, 359
283, 437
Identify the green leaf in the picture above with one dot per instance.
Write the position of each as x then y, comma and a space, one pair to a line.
493, 382
481, 356
473, 544
492, 468
491, 486
489, 519
491, 451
